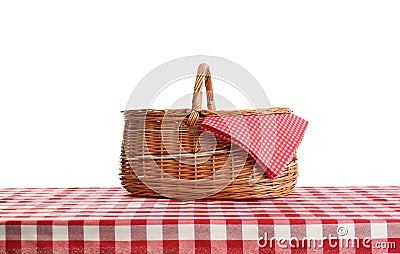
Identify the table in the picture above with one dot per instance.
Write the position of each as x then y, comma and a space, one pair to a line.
108, 220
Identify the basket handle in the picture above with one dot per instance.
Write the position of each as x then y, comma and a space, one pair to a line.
203, 77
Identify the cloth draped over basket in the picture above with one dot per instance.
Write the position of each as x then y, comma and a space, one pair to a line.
171, 153
270, 139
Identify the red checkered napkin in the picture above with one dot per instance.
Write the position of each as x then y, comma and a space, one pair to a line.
271, 139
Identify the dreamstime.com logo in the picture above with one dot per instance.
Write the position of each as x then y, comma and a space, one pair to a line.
160, 80
340, 241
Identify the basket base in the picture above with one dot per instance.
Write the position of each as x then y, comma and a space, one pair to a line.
239, 188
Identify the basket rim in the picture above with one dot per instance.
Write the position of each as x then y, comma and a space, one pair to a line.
271, 110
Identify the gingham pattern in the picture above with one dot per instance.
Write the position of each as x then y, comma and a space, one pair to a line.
106, 220
270, 139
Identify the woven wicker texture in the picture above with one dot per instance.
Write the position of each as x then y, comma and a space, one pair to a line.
157, 143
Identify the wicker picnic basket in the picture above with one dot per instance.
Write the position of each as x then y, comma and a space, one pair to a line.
162, 144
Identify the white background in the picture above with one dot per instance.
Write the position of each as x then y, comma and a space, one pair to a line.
67, 68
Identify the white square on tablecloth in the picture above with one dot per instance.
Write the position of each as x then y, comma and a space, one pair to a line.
282, 231
314, 231
60, 233
154, 232
379, 231
135, 204
28, 232
346, 231
122, 233
186, 231
2, 232
218, 232
91, 233
250, 232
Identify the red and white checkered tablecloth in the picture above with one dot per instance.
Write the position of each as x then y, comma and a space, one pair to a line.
107, 220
